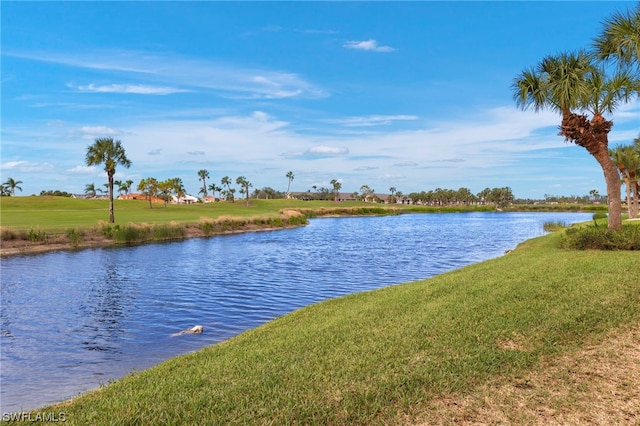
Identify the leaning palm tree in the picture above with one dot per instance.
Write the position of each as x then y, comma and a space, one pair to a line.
573, 84
12, 185
289, 176
110, 153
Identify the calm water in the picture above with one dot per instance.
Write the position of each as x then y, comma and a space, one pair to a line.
74, 320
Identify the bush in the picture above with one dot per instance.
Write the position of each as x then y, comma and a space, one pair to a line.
168, 232
75, 236
600, 238
37, 236
8, 235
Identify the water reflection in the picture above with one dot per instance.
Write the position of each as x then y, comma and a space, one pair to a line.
73, 320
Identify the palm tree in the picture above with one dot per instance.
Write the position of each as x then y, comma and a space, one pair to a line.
627, 158
245, 184
571, 84
91, 190
178, 187
12, 185
110, 153
225, 181
203, 175
336, 189
214, 188
289, 176
620, 38
128, 184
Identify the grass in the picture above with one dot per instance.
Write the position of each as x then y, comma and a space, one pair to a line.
387, 356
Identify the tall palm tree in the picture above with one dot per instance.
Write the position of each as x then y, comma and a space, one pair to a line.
128, 184
289, 176
214, 188
627, 158
203, 175
572, 84
12, 185
245, 184
110, 153
337, 186
227, 182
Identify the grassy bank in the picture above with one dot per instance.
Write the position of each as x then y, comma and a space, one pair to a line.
384, 357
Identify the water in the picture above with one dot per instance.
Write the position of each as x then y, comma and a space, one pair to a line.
74, 320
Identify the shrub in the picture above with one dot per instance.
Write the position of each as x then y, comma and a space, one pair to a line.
207, 227
600, 238
37, 236
75, 236
8, 235
168, 232
131, 233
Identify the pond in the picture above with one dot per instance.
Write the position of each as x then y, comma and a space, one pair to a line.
72, 321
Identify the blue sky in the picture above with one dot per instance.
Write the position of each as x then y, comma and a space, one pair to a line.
411, 95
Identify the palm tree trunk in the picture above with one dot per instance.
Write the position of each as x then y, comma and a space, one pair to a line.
612, 179
112, 218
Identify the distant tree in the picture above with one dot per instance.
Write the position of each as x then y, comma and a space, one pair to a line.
214, 188
336, 189
392, 197
55, 193
366, 193
110, 153
149, 188
244, 184
178, 188
595, 195
203, 175
225, 181
12, 184
290, 177
165, 188
91, 190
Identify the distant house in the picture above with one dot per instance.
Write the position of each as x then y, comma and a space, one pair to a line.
184, 199
209, 199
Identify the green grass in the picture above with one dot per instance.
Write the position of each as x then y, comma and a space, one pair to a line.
56, 214
381, 357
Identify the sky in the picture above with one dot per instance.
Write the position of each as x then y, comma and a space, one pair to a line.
410, 95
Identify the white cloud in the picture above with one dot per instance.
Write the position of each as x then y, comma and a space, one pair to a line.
371, 45
324, 150
226, 79
137, 89
372, 120
82, 170
25, 166
92, 132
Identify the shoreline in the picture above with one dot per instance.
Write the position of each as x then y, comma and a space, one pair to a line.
60, 242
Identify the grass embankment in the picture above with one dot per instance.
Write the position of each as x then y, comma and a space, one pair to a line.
393, 355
